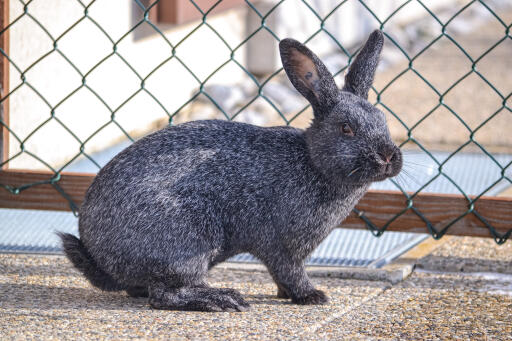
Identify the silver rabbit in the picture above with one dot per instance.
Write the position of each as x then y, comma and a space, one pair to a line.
179, 201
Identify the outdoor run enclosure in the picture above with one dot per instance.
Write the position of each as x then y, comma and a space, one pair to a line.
49, 185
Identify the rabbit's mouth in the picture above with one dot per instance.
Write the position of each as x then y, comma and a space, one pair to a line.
380, 177
391, 170
377, 170
388, 169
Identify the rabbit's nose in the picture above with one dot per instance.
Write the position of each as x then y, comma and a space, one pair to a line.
386, 156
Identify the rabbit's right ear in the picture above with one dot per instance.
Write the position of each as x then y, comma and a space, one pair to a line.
308, 75
360, 75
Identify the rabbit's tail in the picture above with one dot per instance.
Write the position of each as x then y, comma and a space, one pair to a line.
82, 260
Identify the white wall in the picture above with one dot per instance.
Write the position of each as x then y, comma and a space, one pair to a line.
85, 45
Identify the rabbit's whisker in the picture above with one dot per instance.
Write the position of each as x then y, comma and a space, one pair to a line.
408, 162
417, 168
406, 174
400, 180
353, 171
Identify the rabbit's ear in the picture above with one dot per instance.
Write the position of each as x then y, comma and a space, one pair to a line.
308, 75
359, 78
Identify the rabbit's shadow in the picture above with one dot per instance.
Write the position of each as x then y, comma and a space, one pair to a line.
42, 297
71, 294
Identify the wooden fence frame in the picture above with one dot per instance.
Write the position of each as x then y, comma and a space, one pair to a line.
177, 12
378, 206
4, 81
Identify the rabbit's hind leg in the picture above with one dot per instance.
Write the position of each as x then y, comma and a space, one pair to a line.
137, 291
281, 292
197, 298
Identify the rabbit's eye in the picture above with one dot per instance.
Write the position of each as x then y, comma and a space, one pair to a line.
346, 130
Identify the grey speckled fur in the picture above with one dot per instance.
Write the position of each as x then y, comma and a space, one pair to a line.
181, 200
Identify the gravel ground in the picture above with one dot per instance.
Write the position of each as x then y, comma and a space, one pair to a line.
43, 297
429, 307
470, 254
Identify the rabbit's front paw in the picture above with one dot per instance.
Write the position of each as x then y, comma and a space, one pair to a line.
313, 297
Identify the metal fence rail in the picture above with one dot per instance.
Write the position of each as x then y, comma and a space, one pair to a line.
402, 210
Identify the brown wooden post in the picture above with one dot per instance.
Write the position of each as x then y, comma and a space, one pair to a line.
177, 12
4, 82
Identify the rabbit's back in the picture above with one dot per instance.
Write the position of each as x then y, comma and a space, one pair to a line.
199, 158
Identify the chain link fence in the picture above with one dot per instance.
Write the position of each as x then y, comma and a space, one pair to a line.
170, 80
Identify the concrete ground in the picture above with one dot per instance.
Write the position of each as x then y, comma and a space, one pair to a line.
43, 297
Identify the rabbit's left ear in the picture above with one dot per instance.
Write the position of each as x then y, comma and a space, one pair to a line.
309, 75
360, 76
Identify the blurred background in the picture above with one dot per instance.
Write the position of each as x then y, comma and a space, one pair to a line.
86, 78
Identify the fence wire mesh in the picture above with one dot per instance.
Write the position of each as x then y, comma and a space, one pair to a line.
261, 94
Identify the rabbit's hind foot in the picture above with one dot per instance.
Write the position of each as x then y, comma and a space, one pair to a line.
197, 299
137, 292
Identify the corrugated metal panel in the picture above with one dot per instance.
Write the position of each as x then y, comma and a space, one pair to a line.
33, 231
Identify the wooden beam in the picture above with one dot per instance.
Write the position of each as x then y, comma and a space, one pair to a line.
4, 82
177, 12
440, 209
378, 206
43, 196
